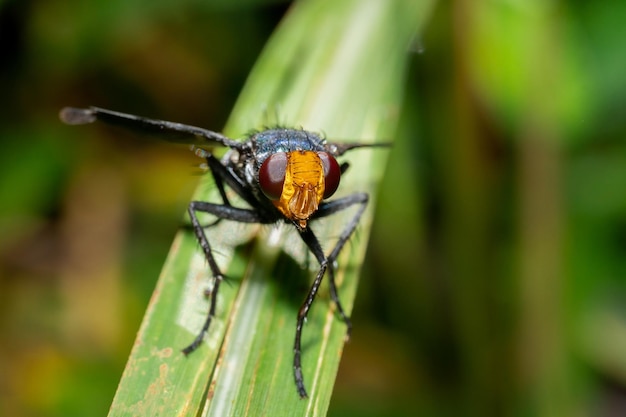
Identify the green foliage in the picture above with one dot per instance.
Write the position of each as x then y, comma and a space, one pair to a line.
313, 69
494, 277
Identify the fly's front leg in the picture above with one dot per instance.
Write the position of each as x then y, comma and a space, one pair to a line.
222, 212
215, 272
302, 315
326, 209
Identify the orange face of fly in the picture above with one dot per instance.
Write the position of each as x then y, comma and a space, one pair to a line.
298, 181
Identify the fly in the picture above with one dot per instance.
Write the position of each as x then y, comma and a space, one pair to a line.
283, 174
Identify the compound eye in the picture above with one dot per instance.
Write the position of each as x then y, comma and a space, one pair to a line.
272, 175
332, 173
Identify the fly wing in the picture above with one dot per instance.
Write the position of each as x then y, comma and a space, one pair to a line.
170, 131
338, 149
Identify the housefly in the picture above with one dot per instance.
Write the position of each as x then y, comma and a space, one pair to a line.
283, 175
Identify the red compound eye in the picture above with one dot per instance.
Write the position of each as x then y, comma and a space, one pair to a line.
332, 173
272, 175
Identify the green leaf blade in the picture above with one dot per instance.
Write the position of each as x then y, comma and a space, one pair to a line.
332, 67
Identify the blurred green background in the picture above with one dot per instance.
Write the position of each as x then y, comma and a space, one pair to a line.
495, 283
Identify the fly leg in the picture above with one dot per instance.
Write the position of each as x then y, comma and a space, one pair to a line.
327, 209
222, 212
223, 176
326, 262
